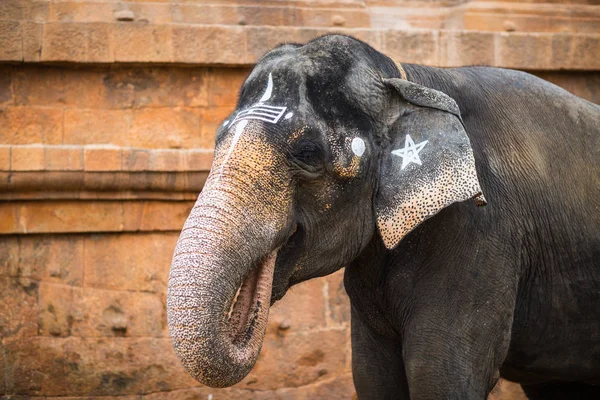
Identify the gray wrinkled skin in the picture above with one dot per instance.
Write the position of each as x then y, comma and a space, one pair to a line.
351, 166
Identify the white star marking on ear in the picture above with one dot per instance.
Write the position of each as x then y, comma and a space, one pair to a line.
410, 152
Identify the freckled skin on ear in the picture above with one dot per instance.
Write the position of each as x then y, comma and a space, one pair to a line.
337, 162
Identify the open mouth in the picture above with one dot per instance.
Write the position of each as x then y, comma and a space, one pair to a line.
253, 299
250, 307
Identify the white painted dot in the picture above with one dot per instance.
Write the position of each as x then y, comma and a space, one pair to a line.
288, 115
358, 146
225, 123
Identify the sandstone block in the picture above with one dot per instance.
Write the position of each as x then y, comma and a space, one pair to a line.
57, 259
10, 37
58, 87
2, 370
27, 158
12, 10
340, 387
36, 10
35, 366
299, 359
81, 12
110, 313
71, 216
586, 48
414, 47
129, 261
102, 158
4, 158
155, 87
99, 42
197, 160
64, 42
190, 13
159, 12
9, 255
164, 128
32, 41
29, 125
166, 160
136, 160
302, 309
158, 216
67, 158
338, 301
212, 118
224, 86
466, 48
93, 366
143, 43
527, 51
210, 44
97, 127
19, 307
9, 223
91, 42
55, 309
352, 18
6, 73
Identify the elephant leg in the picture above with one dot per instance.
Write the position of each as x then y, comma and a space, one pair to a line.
446, 368
377, 367
453, 352
562, 391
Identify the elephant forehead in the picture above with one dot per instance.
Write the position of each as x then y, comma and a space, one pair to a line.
248, 144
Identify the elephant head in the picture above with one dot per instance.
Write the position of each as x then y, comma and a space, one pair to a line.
327, 146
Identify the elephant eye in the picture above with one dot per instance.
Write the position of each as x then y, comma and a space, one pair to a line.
309, 155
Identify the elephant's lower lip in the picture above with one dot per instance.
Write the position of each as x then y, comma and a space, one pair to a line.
252, 301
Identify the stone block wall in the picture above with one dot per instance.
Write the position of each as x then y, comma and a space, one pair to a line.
108, 111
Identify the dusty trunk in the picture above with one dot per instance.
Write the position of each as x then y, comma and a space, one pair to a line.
221, 274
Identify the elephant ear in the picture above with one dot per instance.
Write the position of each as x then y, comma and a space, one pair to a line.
427, 165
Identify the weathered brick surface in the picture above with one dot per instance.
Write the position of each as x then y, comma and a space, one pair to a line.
10, 37
19, 307
5, 158
63, 158
96, 126
129, 262
92, 216
56, 304
30, 125
27, 158
92, 366
140, 42
337, 306
32, 41
102, 158
103, 331
292, 360
165, 128
307, 312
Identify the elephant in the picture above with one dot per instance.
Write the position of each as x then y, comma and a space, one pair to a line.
463, 203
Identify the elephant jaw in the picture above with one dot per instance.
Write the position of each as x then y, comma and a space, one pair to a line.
249, 311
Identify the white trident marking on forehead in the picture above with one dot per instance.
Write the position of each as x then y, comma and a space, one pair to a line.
267, 95
260, 110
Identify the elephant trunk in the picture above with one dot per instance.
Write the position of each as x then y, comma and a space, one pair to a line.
221, 275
